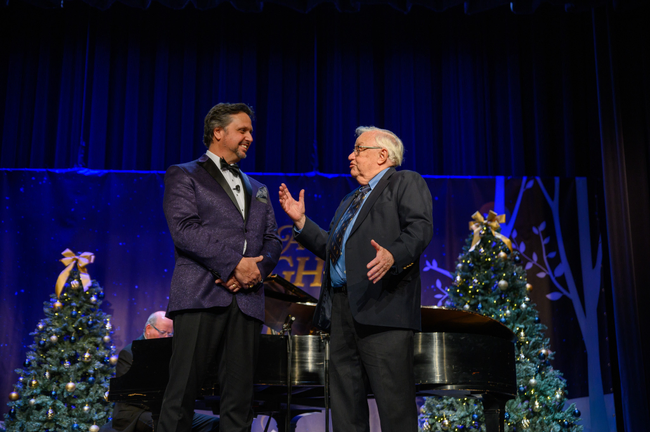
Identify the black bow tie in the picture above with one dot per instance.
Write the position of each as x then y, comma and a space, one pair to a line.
234, 168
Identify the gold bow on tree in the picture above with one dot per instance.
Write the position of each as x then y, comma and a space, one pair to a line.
69, 261
492, 223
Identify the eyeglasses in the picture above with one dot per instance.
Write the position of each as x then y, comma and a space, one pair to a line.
163, 332
358, 149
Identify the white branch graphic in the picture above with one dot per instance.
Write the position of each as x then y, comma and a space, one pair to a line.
590, 271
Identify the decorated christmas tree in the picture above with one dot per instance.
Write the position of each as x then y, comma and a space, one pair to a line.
64, 380
489, 280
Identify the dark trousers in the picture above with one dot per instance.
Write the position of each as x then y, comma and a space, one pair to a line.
370, 359
221, 338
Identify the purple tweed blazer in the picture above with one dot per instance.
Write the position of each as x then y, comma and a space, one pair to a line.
209, 233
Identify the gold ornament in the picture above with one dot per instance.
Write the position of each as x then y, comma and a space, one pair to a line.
69, 261
503, 285
70, 387
537, 407
522, 336
523, 306
94, 428
50, 414
532, 382
86, 408
106, 396
57, 306
529, 287
502, 256
113, 360
493, 221
559, 394
525, 423
466, 307
444, 425
107, 339
87, 357
47, 374
93, 299
40, 326
109, 326
32, 402
527, 299
74, 284
33, 383
54, 338
14, 396
508, 312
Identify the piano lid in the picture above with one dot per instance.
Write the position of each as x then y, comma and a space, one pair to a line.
282, 299
441, 319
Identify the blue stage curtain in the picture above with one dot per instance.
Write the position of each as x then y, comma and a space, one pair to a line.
488, 94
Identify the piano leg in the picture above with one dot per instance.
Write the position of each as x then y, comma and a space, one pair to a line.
494, 409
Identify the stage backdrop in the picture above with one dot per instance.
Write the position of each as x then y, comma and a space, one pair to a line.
118, 217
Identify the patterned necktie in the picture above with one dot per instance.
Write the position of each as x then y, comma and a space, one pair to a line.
234, 168
337, 244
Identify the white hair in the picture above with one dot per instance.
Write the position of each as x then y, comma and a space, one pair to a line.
152, 320
388, 140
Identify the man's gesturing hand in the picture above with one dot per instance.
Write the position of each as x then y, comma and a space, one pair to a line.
381, 264
294, 209
247, 273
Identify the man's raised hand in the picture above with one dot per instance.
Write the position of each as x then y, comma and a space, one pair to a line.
294, 209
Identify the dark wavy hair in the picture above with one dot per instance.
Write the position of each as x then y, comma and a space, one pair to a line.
220, 116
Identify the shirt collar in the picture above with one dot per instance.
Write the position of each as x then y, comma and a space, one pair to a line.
373, 181
216, 159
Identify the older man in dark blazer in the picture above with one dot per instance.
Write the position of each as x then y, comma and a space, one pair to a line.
225, 242
370, 297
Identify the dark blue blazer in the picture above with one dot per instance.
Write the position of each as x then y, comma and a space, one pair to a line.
398, 214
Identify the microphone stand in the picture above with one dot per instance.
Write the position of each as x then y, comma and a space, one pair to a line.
286, 329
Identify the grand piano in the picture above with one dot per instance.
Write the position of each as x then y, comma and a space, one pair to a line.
458, 353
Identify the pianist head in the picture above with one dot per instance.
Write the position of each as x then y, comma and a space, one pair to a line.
158, 326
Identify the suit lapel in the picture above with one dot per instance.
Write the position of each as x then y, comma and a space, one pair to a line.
248, 193
372, 198
215, 173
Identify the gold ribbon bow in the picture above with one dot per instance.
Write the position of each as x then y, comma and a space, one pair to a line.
492, 223
69, 261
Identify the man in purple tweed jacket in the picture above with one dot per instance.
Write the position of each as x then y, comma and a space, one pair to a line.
225, 242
